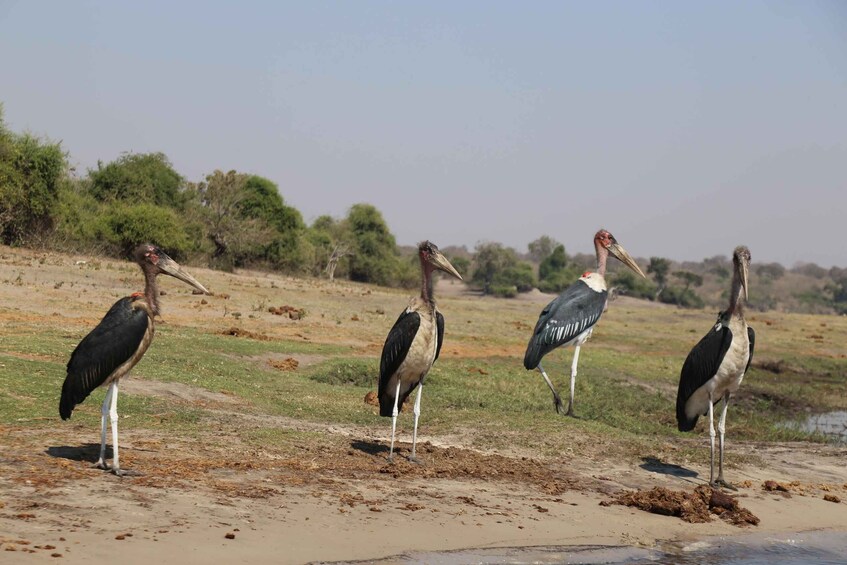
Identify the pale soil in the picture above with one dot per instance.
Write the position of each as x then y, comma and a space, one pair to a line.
333, 497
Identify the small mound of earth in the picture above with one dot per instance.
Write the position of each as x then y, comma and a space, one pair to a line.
287, 364
292, 312
239, 332
697, 506
371, 398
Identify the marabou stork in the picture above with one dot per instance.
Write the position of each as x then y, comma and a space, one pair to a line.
413, 345
716, 366
569, 319
118, 342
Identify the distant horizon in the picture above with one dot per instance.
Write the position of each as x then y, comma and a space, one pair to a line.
684, 129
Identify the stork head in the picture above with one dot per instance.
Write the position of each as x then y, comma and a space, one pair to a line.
603, 239
430, 255
153, 260
741, 264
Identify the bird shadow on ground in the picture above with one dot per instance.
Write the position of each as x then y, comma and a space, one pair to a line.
89, 452
369, 447
655, 465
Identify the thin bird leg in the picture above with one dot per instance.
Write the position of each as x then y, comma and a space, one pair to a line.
721, 430
113, 416
556, 400
414, 459
394, 420
712, 442
573, 379
104, 413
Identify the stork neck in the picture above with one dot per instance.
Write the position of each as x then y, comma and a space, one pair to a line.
426, 282
151, 291
602, 255
736, 302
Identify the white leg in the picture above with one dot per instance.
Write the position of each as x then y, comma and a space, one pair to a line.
394, 419
711, 441
104, 413
417, 415
113, 416
573, 378
556, 400
721, 430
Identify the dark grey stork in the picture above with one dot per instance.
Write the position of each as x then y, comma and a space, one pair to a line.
716, 366
570, 318
413, 345
118, 342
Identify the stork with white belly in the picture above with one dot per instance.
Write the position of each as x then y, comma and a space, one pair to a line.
716, 366
570, 318
413, 345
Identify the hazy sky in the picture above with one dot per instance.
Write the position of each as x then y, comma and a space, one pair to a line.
684, 128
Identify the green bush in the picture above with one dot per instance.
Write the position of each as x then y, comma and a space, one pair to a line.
31, 171
503, 290
126, 226
78, 217
630, 284
684, 297
142, 178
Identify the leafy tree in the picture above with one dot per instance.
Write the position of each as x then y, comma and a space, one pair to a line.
262, 201
720, 271
461, 264
326, 235
838, 289
127, 225
770, 271
810, 270
689, 278
553, 263
630, 284
31, 170
541, 248
142, 177
78, 218
374, 247
498, 271
659, 267
236, 239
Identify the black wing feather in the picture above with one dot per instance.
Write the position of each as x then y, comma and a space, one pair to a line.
394, 352
568, 315
751, 337
115, 339
701, 365
439, 325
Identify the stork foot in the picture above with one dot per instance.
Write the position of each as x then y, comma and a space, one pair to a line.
101, 465
390, 458
414, 459
570, 412
720, 483
126, 472
557, 402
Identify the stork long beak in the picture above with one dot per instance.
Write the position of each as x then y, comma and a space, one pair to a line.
172, 268
440, 262
617, 250
744, 273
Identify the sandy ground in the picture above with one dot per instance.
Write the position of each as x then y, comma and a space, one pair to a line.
213, 499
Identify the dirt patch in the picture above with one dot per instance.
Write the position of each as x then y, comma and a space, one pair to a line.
693, 507
287, 364
239, 332
186, 393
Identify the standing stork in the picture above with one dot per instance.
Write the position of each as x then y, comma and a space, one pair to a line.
570, 318
118, 342
413, 345
716, 366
